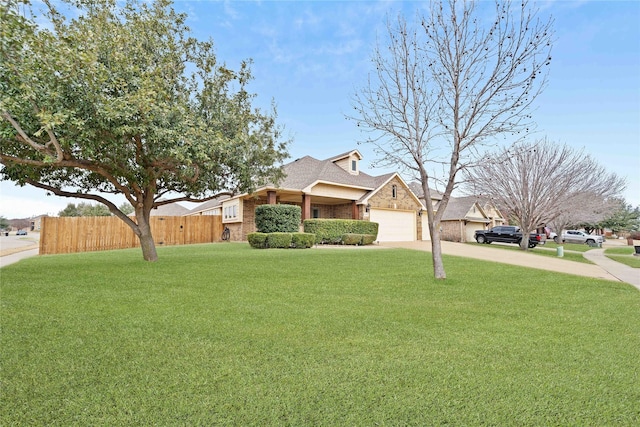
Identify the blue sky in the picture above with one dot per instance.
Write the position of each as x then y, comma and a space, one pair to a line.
310, 57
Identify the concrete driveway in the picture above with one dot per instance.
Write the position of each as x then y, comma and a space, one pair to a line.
605, 269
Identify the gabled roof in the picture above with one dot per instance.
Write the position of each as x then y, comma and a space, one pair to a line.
172, 209
303, 172
210, 204
416, 187
458, 209
383, 180
345, 155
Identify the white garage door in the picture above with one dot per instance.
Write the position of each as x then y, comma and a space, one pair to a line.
394, 225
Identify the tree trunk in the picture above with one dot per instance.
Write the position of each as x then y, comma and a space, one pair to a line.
147, 243
148, 246
436, 255
524, 242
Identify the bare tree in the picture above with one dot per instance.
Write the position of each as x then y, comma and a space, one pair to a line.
445, 88
545, 182
585, 208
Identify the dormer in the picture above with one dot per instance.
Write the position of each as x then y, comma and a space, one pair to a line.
349, 161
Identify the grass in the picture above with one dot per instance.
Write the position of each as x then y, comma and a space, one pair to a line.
226, 335
624, 255
574, 247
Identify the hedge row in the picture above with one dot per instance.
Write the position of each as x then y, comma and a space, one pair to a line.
332, 231
281, 240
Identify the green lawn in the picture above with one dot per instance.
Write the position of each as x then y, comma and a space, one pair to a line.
574, 247
226, 335
624, 255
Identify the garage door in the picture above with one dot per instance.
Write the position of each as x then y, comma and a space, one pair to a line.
394, 225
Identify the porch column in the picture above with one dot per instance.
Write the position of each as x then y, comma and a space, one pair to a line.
354, 210
271, 197
306, 206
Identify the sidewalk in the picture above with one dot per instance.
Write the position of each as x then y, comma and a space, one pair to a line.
604, 268
17, 256
623, 272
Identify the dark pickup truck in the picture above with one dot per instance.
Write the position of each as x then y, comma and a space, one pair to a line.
508, 234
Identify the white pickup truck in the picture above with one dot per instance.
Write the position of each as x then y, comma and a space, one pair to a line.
580, 237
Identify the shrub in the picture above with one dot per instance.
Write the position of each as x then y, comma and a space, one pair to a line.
358, 239
279, 240
332, 230
352, 239
302, 240
278, 218
368, 239
257, 240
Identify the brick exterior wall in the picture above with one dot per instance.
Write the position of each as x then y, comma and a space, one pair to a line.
450, 231
248, 224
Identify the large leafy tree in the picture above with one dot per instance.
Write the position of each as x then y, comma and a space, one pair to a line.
121, 100
86, 209
624, 218
449, 85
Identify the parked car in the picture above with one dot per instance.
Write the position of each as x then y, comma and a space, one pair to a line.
21, 233
580, 237
508, 234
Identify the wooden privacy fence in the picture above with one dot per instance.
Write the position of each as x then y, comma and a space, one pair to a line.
99, 233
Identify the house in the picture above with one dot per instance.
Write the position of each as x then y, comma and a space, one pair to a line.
171, 209
211, 207
331, 188
463, 215
35, 223
493, 214
436, 196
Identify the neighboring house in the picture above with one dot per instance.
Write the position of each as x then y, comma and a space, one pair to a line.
331, 188
211, 207
493, 214
462, 217
35, 223
172, 209
436, 196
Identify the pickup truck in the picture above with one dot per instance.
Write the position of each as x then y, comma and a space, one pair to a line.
508, 234
575, 236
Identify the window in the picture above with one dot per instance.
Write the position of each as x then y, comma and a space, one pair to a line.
315, 213
354, 165
230, 212
394, 191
